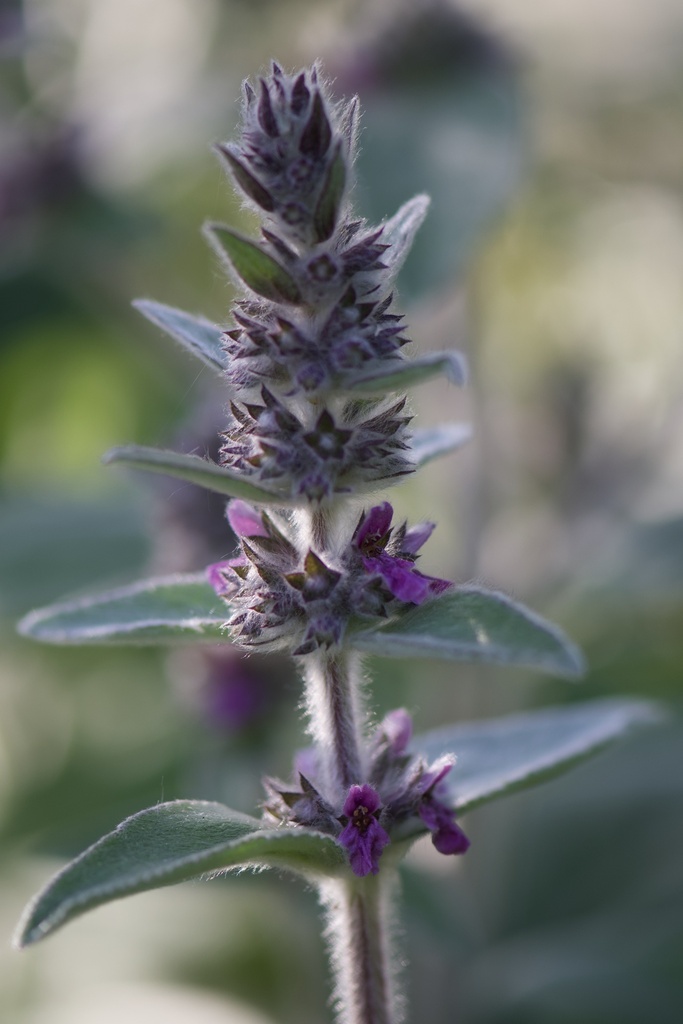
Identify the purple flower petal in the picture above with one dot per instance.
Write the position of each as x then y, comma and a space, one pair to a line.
436, 586
397, 726
447, 836
245, 520
375, 525
363, 837
234, 694
416, 536
361, 796
400, 577
436, 773
219, 575
214, 574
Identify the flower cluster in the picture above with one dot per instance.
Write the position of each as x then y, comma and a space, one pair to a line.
278, 597
310, 422
316, 322
366, 443
293, 163
402, 788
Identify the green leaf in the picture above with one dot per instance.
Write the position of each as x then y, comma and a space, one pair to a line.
259, 271
196, 334
472, 624
243, 177
51, 544
167, 609
194, 470
170, 843
405, 373
329, 202
465, 122
431, 442
399, 233
501, 755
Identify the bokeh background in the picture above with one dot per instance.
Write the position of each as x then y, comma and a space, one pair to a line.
549, 136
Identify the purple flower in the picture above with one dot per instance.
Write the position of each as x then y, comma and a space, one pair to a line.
447, 836
234, 694
393, 559
397, 727
219, 575
363, 837
374, 528
245, 520
416, 536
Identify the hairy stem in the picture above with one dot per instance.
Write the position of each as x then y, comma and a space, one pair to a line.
332, 697
358, 915
332, 705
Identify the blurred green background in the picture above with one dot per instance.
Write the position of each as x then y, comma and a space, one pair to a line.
549, 138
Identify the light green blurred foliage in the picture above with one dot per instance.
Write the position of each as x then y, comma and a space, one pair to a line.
567, 909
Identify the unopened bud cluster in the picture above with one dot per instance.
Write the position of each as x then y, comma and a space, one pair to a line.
316, 321
313, 328
400, 788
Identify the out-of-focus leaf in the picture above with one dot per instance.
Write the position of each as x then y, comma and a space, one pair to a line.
473, 624
431, 442
259, 271
399, 233
196, 334
50, 545
195, 470
444, 115
329, 203
243, 177
502, 755
167, 609
398, 375
171, 843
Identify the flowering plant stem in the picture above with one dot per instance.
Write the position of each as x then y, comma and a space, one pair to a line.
313, 367
331, 702
359, 916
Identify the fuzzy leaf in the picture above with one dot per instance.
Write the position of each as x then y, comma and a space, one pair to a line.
259, 271
472, 624
170, 843
399, 232
167, 609
431, 442
329, 202
195, 471
456, 130
196, 334
502, 755
401, 374
244, 179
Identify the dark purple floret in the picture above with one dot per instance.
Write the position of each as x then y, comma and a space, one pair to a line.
374, 528
219, 572
397, 727
363, 837
447, 836
393, 560
234, 694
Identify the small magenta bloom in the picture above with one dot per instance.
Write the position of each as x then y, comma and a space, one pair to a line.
397, 727
363, 837
245, 520
447, 836
393, 559
235, 694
